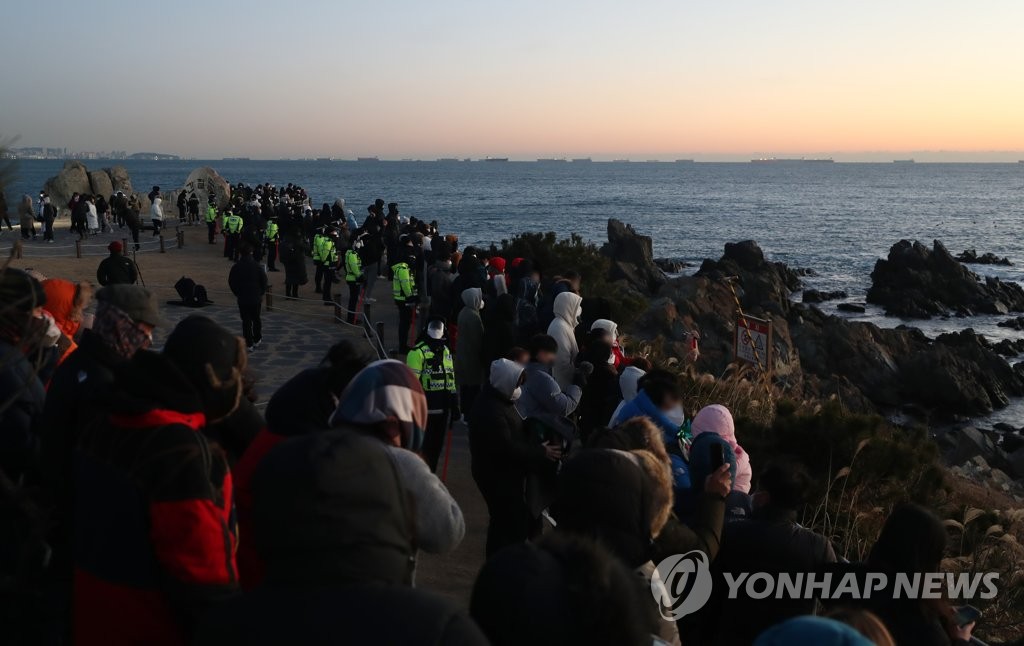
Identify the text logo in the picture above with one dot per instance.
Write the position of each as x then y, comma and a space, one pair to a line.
682, 584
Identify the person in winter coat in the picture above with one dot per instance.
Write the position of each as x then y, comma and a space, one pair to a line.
770, 541
470, 367
501, 328
718, 420
116, 269
542, 399
601, 393
92, 216
628, 388
567, 309
622, 499
248, 282
502, 456
332, 521
23, 338
66, 303
431, 362
913, 542
27, 218
496, 276
156, 210
563, 589
182, 204
387, 402
293, 257
158, 548
5, 218
439, 284
49, 215
303, 405
611, 329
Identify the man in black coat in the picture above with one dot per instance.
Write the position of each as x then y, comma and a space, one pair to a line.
502, 455
116, 269
248, 282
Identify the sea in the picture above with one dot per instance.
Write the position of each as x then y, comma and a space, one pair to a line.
836, 219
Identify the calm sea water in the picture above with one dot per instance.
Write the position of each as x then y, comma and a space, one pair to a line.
836, 219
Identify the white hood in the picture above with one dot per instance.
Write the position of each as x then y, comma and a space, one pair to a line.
568, 307
505, 376
611, 327
473, 298
629, 382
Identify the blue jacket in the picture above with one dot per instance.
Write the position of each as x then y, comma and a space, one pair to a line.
642, 406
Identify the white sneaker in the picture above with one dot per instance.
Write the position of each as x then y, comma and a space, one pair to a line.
370, 301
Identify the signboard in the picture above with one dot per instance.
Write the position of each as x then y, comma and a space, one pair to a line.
754, 341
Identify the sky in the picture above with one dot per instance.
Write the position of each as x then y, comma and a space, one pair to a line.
522, 79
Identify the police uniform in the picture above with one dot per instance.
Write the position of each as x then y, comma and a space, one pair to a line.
403, 290
272, 235
431, 361
354, 278
233, 229
211, 222
328, 263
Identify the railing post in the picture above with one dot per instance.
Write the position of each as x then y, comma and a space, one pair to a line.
78, 248
181, 239
270, 299
124, 244
162, 250
19, 249
367, 310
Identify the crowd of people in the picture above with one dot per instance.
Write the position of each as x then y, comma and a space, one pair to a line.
152, 502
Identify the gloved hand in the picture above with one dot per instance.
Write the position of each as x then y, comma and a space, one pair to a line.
583, 371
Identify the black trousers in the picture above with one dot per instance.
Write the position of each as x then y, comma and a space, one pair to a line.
271, 255
291, 291
405, 311
157, 224
328, 280
510, 522
252, 326
211, 231
48, 230
434, 436
318, 277
231, 246
467, 395
353, 300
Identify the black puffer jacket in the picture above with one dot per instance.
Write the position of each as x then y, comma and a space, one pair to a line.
502, 454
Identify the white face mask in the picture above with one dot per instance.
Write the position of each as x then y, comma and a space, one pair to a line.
517, 393
676, 415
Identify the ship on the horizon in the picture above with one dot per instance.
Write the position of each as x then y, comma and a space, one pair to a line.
235, 159
582, 160
367, 159
791, 160
551, 159
447, 159
684, 161
903, 161
496, 159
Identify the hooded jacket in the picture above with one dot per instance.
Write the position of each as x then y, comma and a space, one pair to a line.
642, 406
718, 420
567, 309
544, 400
64, 301
333, 524
629, 384
386, 401
612, 328
500, 450
470, 366
156, 543
156, 211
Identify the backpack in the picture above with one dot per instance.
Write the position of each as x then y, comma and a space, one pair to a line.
192, 295
526, 304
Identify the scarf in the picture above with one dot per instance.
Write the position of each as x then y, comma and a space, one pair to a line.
119, 331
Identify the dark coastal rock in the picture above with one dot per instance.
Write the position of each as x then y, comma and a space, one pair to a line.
918, 282
632, 258
853, 308
119, 179
817, 296
816, 355
671, 265
971, 257
100, 184
73, 178
1008, 347
1014, 323
969, 443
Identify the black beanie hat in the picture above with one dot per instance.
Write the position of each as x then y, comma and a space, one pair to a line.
20, 290
197, 341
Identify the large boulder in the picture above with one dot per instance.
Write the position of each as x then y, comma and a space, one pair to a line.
762, 287
73, 178
100, 184
119, 179
205, 180
971, 257
632, 258
918, 282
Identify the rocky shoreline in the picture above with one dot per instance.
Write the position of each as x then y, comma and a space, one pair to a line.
896, 372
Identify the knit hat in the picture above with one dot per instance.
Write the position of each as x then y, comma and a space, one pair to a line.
212, 359
386, 397
137, 302
115, 247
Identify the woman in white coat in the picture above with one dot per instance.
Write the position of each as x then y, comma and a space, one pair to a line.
568, 308
156, 210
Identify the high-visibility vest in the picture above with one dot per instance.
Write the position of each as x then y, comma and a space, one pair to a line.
271, 231
328, 252
435, 373
403, 286
211, 214
318, 243
353, 266
233, 224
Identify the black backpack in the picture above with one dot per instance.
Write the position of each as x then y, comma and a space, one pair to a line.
192, 295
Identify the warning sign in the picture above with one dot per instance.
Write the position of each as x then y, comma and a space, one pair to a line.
754, 341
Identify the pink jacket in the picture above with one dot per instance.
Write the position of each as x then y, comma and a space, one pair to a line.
717, 419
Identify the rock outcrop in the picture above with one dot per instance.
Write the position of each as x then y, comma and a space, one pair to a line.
100, 184
632, 258
817, 355
918, 282
971, 257
119, 179
73, 178
205, 180
817, 296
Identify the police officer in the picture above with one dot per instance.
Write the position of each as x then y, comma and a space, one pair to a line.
211, 221
329, 262
431, 361
403, 289
233, 224
354, 278
272, 234
317, 245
